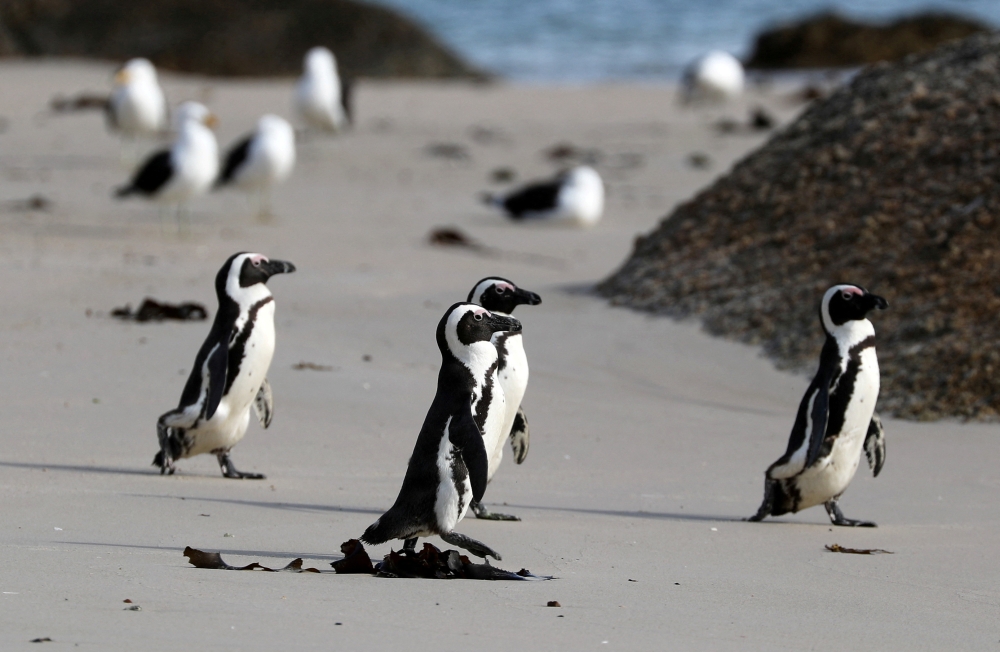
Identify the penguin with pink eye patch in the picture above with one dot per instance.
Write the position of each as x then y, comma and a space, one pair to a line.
836, 418
230, 371
447, 470
500, 296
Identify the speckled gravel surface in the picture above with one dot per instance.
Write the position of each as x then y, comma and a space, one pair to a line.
892, 183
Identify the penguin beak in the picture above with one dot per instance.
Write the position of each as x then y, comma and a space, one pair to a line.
876, 302
272, 267
522, 297
498, 323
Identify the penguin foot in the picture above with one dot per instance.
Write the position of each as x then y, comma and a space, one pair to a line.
767, 505
837, 517
230, 471
165, 463
477, 548
482, 512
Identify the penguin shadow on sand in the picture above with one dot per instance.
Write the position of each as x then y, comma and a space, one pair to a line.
295, 507
76, 468
668, 516
224, 551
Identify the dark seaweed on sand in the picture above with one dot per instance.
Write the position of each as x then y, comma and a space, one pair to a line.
429, 563
153, 310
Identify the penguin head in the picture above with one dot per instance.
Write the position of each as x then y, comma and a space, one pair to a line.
500, 295
244, 272
846, 303
466, 329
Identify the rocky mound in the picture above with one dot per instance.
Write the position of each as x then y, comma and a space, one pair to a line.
893, 183
832, 41
229, 37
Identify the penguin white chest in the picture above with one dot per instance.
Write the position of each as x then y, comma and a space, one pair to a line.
831, 475
496, 415
454, 491
513, 379
229, 423
257, 351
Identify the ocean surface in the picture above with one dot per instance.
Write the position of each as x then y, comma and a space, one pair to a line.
574, 41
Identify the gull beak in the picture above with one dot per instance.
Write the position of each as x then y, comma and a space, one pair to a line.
211, 121
121, 77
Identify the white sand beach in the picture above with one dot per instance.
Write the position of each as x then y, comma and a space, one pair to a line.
649, 437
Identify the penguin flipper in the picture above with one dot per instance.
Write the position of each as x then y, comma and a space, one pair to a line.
217, 367
520, 436
263, 404
465, 435
818, 417
875, 445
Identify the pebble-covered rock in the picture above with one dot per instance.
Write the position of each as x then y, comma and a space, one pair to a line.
893, 183
829, 40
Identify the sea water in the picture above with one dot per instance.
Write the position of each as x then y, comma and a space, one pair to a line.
600, 40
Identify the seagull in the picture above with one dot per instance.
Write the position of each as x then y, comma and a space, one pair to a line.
186, 170
576, 195
319, 98
715, 77
261, 160
137, 108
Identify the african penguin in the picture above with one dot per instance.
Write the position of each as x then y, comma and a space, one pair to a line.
449, 465
137, 107
715, 77
187, 169
500, 296
836, 418
230, 370
261, 160
320, 99
574, 196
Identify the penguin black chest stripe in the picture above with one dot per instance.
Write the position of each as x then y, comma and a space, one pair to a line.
501, 344
842, 390
483, 406
237, 348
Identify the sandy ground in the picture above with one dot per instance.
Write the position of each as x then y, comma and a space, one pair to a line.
649, 437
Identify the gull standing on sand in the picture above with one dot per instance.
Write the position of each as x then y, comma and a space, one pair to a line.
575, 196
716, 77
449, 465
261, 160
186, 170
230, 370
319, 98
836, 418
137, 107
